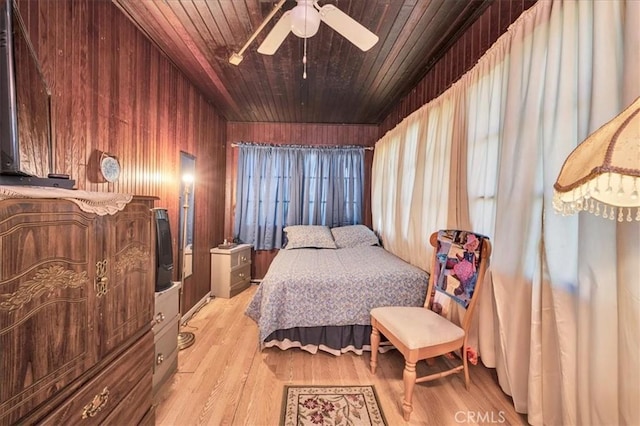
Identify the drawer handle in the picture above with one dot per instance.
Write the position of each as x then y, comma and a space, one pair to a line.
243, 259
159, 318
101, 278
241, 274
99, 401
159, 359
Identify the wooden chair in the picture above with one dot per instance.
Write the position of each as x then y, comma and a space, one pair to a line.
457, 270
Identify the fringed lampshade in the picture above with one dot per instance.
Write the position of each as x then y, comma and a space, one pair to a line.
602, 175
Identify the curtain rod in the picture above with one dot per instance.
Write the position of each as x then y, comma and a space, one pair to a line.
366, 148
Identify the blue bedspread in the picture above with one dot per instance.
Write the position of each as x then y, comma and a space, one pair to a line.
319, 287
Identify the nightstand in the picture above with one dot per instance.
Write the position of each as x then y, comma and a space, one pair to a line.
230, 270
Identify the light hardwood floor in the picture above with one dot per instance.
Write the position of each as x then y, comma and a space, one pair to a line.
224, 379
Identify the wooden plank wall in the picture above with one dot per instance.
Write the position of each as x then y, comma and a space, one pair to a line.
294, 134
113, 91
462, 56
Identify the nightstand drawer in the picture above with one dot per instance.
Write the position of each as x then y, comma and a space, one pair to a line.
241, 258
240, 275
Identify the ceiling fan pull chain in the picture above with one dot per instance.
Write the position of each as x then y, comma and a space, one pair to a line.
304, 61
304, 56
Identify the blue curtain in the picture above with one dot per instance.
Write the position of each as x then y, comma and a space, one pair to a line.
292, 185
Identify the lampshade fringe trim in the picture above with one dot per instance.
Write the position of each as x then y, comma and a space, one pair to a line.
596, 208
586, 197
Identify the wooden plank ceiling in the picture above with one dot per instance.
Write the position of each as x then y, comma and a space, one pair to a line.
343, 85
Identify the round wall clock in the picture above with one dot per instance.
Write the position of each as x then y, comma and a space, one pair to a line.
109, 167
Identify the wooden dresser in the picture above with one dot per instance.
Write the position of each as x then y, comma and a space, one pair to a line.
230, 270
76, 310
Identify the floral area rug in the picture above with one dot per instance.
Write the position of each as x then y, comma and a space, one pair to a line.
331, 405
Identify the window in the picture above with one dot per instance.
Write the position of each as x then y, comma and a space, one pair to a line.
292, 185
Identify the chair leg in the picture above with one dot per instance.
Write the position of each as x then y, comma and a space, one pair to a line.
375, 343
409, 377
465, 367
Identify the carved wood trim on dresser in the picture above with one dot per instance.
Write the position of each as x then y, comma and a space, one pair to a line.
76, 305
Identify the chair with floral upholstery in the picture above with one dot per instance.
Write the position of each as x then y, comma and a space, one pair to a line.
441, 327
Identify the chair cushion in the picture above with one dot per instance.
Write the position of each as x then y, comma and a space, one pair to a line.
417, 327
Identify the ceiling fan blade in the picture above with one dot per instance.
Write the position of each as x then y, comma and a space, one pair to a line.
348, 27
276, 36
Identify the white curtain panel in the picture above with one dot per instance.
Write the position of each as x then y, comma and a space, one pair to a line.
560, 316
406, 161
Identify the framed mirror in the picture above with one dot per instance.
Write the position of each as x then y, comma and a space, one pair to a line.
186, 217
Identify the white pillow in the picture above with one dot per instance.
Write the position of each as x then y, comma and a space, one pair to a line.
354, 236
309, 236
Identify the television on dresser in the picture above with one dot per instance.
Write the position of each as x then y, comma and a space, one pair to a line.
26, 152
164, 249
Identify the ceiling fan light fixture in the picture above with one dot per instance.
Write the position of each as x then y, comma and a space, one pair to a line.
305, 19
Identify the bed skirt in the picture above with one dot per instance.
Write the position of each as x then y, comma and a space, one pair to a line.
335, 340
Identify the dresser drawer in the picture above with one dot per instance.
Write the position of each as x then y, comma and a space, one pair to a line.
134, 407
97, 399
149, 418
166, 353
167, 306
165, 371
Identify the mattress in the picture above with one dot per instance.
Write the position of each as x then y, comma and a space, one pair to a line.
308, 288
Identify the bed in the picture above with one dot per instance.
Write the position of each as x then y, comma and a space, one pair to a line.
319, 298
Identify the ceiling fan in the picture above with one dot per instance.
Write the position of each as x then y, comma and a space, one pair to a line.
303, 21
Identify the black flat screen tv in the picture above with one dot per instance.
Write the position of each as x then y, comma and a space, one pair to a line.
164, 250
25, 108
